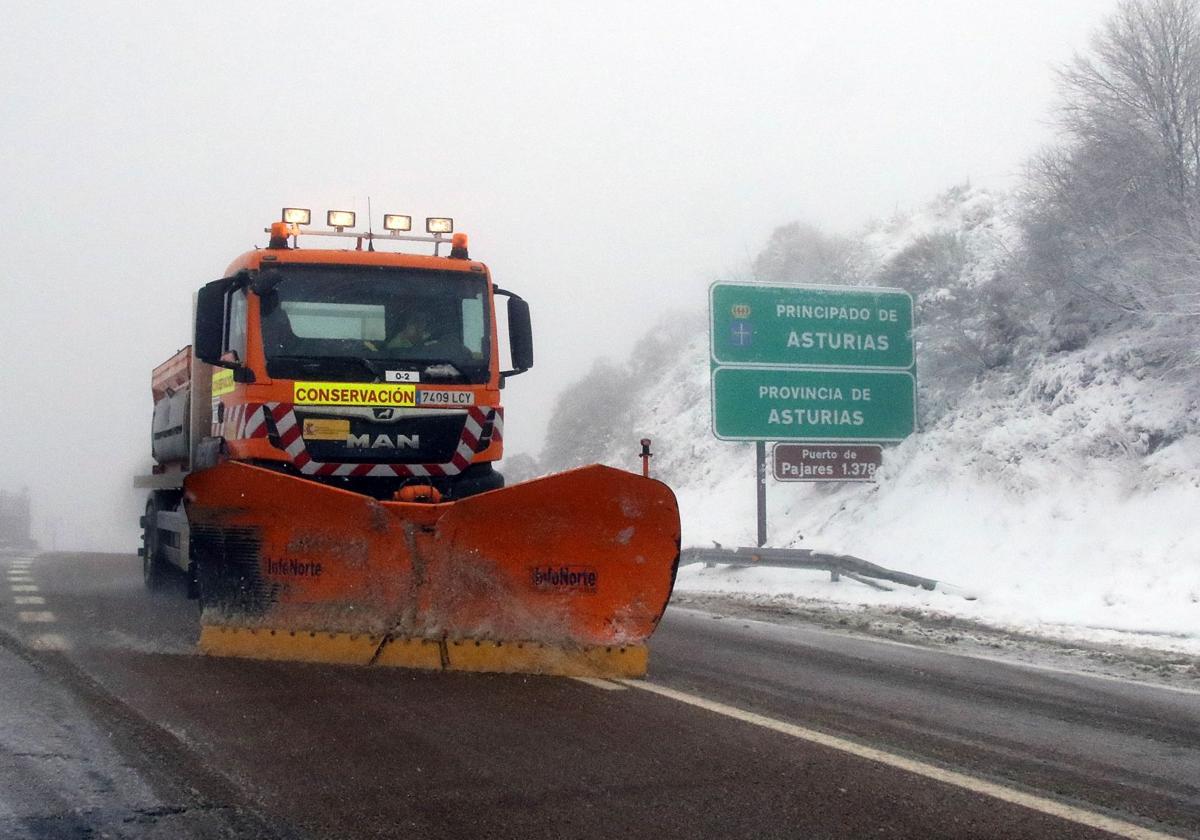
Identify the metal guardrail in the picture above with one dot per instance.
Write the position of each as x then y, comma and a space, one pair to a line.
854, 568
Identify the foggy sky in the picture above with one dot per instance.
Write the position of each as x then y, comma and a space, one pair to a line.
608, 161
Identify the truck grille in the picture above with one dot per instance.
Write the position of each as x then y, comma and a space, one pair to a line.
399, 436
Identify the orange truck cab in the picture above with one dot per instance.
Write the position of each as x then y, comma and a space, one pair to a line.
363, 369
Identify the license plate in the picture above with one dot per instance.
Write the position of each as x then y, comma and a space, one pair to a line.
445, 398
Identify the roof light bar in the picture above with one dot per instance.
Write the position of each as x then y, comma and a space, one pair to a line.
339, 220
396, 222
397, 225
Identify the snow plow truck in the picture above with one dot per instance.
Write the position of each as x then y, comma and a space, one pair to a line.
324, 473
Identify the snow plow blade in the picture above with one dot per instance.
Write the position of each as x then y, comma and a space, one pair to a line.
567, 574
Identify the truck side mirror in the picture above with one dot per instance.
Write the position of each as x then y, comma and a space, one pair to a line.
210, 322
266, 281
520, 335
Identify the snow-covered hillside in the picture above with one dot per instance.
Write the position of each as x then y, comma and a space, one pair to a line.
1061, 488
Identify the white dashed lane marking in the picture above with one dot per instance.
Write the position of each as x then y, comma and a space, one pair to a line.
19, 577
36, 617
49, 641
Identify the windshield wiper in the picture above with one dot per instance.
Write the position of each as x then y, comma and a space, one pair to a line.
436, 369
439, 367
315, 363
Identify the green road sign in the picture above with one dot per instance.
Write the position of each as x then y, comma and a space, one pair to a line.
760, 403
816, 326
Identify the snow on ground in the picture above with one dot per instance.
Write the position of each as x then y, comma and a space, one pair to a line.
1046, 510
1064, 493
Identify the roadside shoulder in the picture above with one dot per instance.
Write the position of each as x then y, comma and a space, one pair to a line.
1120, 657
74, 761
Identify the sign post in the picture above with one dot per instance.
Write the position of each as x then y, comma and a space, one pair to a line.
760, 475
832, 365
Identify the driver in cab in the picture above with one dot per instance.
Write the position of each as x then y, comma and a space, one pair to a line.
417, 332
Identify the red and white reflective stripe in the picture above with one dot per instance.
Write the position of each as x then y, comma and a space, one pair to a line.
292, 441
497, 425
242, 420
256, 423
251, 414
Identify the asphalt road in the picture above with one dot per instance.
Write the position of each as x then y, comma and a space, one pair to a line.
110, 726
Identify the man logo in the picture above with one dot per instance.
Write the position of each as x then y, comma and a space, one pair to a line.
384, 413
384, 442
740, 310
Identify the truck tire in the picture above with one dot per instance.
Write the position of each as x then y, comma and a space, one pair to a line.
475, 479
193, 583
154, 570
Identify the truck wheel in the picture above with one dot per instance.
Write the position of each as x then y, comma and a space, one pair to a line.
193, 582
153, 568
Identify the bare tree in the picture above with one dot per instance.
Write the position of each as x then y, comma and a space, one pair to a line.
800, 253
1140, 89
1113, 221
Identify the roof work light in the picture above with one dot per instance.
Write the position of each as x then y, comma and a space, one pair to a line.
396, 222
439, 224
297, 215
339, 220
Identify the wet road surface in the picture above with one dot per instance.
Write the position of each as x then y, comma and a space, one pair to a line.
110, 724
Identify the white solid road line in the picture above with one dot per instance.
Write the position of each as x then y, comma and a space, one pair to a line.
29, 600
23, 587
38, 617
1050, 807
596, 682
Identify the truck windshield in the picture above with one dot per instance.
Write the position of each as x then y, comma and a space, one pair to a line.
348, 324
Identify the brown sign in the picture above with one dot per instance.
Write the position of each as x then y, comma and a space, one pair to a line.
827, 461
